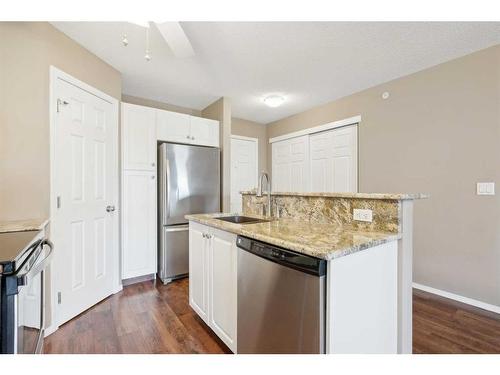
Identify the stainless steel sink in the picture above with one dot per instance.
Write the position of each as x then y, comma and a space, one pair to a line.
242, 219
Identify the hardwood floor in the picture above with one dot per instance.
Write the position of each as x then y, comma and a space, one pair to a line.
147, 317
150, 317
441, 325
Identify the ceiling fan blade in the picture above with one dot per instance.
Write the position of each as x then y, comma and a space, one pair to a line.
176, 38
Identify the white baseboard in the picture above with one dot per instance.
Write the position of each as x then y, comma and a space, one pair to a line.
456, 297
50, 330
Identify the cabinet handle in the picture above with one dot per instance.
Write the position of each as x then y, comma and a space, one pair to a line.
192, 138
152, 177
153, 164
188, 137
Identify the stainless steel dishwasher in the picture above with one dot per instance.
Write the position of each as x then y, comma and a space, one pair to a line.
281, 300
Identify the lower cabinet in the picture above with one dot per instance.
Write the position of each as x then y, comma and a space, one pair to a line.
139, 224
213, 280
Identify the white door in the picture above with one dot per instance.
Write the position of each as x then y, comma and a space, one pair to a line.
204, 131
244, 161
85, 184
198, 269
223, 286
334, 161
139, 135
139, 249
345, 159
290, 160
172, 126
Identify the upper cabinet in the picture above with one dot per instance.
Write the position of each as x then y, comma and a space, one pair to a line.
181, 128
138, 137
204, 131
173, 127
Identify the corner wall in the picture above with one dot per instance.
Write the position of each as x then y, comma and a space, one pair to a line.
221, 111
27, 49
437, 133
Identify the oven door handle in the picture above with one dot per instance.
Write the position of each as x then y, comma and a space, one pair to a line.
24, 278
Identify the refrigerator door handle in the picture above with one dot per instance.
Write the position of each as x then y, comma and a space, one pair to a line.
165, 189
177, 228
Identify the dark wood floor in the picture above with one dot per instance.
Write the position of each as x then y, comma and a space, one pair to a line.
153, 318
147, 317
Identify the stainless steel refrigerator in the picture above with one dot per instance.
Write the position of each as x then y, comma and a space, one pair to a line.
189, 183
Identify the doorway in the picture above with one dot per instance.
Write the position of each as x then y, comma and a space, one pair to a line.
84, 196
244, 168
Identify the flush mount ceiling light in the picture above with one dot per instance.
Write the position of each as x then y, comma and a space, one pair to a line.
274, 100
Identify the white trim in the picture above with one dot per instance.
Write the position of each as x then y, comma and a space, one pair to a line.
331, 125
459, 298
54, 75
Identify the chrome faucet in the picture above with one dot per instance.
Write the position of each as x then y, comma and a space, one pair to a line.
260, 191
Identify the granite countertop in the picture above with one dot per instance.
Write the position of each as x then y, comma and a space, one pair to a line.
23, 225
386, 196
325, 241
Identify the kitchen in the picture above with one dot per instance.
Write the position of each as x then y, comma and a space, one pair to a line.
181, 229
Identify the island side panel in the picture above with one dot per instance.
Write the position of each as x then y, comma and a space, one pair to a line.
405, 279
362, 301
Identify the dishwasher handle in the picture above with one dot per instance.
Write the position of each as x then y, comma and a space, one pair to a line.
300, 262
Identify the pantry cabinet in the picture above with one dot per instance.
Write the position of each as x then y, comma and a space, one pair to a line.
138, 137
139, 224
141, 130
213, 280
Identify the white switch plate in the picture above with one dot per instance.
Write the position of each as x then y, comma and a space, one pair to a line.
485, 188
362, 215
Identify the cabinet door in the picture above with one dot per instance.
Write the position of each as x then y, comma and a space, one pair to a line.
138, 137
204, 131
172, 127
198, 269
223, 286
139, 224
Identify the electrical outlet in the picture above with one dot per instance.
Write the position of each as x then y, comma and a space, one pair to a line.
363, 215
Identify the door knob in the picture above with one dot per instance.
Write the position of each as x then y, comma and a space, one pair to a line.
110, 208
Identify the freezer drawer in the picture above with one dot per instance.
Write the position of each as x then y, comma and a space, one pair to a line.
174, 252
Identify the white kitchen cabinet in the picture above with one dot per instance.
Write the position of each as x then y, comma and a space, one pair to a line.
139, 224
182, 128
138, 137
213, 280
198, 269
223, 286
173, 127
290, 159
204, 131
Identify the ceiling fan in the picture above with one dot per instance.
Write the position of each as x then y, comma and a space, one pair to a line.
172, 33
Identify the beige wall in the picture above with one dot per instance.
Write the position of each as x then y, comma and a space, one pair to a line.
160, 105
254, 130
221, 111
27, 50
438, 133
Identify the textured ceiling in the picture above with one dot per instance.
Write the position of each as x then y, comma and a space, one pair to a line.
310, 63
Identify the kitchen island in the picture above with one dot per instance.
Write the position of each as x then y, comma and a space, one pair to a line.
368, 264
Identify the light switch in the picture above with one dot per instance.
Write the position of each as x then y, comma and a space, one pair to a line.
485, 188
